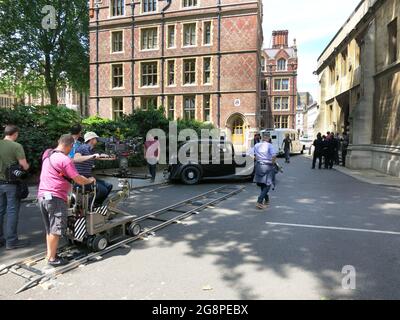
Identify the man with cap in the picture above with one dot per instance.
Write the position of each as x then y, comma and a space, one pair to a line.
264, 172
84, 159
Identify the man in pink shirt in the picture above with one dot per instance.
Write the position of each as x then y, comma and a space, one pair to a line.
58, 172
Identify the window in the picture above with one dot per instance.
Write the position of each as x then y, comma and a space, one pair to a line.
207, 33
263, 64
117, 41
332, 74
117, 76
189, 3
207, 71
117, 108
117, 8
149, 38
189, 107
189, 34
344, 63
149, 5
281, 103
281, 64
392, 31
263, 104
281, 84
171, 72
147, 103
264, 86
149, 74
171, 37
281, 122
207, 107
171, 107
189, 69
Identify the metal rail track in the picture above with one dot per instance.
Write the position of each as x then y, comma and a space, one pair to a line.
195, 204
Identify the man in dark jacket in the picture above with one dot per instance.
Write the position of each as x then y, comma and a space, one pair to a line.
318, 151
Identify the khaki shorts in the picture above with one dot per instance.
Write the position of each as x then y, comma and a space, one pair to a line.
54, 215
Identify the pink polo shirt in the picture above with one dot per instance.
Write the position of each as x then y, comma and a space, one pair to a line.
51, 181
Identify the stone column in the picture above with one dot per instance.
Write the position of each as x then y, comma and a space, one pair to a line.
361, 119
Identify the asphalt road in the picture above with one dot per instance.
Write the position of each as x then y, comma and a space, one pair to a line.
318, 222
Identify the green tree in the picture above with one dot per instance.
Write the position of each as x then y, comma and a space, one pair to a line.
58, 52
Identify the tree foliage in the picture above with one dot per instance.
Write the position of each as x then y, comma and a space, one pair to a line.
30, 50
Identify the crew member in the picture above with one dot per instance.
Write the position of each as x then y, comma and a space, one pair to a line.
76, 133
11, 153
58, 171
287, 147
84, 160
264, 172
152, 155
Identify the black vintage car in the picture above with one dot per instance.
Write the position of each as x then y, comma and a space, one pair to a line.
208, 159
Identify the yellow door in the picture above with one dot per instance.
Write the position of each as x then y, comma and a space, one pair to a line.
238, 132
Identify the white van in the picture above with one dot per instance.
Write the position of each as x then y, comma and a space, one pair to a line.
278, 135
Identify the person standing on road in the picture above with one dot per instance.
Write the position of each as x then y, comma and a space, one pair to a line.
318, 151
11, 153
287, 147
152, 155
58, 172
345, 146
264, 172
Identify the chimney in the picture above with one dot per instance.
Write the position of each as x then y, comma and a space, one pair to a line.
280, 39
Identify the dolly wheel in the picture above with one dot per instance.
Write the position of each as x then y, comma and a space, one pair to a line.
99, 243
134, 229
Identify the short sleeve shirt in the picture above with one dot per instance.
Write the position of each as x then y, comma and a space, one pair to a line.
76, 145
50, 179
264, 151
10, 153
85, 168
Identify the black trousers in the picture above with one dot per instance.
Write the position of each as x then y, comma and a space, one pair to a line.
344, 155
315, 157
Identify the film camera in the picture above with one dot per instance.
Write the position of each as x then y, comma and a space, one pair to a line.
122, 150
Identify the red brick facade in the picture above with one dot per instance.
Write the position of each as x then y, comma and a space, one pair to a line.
279, 81
239, 25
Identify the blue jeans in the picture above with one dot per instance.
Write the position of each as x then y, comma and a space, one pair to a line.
264, 193
103, 190
10, 205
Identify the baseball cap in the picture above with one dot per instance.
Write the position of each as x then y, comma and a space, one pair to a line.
89, 136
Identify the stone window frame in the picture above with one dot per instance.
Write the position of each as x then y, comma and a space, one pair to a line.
169, 109
280, 98
142, 12
122, 76
211, 71
281, 80
195, 72
167, 73
141, 38
210, 107
110, 7
264, 81
183, 34
141, 74
190, 7
211, 33
392, 31
168, 38
264, 102
112, 41
278, 64
185, 96
148, 97
113, 111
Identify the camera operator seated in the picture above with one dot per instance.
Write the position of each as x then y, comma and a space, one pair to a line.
84, 159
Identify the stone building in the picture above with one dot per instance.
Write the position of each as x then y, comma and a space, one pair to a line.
279, 81
304, 99
359, 73
197, 59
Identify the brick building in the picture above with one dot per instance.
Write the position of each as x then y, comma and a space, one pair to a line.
279, 81
198, 59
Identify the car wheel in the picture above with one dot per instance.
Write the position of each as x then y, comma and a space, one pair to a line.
190, 175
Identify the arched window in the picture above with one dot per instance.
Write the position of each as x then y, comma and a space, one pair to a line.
282, 64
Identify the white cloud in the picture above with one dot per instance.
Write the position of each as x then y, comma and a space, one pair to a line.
313, 23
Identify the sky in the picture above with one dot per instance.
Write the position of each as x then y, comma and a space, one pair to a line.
313, 23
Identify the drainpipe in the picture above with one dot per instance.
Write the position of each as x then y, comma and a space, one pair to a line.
163, 52
97, 61
219, 66
133, 4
